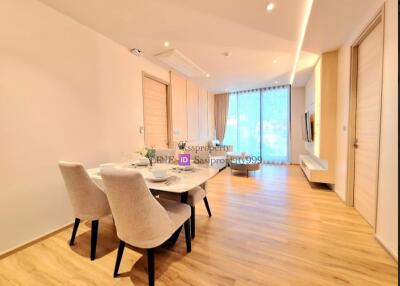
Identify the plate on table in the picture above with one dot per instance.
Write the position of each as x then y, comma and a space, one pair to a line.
157, 179
140, 164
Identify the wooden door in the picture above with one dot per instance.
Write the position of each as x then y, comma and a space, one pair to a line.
367, 123
155, 114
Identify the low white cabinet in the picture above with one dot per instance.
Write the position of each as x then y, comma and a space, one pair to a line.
314, 170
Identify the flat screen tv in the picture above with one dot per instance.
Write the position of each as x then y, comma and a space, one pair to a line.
307, 127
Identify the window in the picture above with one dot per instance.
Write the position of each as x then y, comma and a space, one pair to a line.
258, 123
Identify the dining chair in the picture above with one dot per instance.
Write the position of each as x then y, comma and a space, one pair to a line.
200, 157
165, 155
89, 202
195, 195
141, 220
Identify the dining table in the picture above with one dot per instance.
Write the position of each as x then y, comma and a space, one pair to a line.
180, 180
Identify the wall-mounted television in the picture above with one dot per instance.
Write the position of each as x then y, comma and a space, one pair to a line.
307, 127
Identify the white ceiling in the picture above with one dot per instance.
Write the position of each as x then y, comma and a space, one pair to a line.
204, 30
332, 22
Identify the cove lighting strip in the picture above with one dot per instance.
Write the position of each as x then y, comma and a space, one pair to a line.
307, 12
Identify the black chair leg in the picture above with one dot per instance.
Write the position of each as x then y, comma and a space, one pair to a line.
187, 236
119, 257
150, 266
193, 222
95, 227
175, 236
207, 206
74, 230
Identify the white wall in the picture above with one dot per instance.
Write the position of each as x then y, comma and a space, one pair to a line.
66, 92
297, 113
387, 215
387, 219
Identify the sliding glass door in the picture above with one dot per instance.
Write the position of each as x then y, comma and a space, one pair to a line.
275, 114
258, 123
231, 129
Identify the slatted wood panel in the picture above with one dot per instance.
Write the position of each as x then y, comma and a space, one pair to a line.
211, 123
192, 111
369, 83
179, 112
155, 113
203, 117
269, 229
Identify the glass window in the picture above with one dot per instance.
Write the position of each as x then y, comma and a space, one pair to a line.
275, 125
258, 123
249, 123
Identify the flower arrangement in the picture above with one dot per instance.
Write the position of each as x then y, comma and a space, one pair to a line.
149, 153
182, 145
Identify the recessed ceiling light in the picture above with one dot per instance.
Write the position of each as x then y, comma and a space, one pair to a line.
276, 82
275, 61
270, 7
166, 44
207, 75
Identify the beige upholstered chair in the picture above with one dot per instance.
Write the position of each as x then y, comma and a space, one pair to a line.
195, 195
140, 219
165, 155
88, 200
200, 157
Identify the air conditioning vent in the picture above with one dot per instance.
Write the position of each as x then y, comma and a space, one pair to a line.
176, 60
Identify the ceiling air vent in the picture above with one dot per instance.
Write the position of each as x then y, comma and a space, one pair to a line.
176, 60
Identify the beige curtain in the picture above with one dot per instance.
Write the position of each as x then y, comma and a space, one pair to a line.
221, 114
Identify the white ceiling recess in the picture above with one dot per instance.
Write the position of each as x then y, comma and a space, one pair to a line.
180, 62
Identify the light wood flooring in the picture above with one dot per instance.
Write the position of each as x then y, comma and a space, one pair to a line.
272, 228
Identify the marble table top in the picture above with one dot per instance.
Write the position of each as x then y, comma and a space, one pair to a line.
178, 182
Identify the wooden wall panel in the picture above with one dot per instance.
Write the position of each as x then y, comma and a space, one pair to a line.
210, 113
203, 116
321, 94
192, 97
178, 108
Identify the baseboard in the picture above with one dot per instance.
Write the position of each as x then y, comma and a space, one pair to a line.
340, 198
392, 253
33, 241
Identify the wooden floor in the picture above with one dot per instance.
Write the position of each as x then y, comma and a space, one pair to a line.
269, 229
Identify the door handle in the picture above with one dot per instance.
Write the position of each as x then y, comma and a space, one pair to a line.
355, 144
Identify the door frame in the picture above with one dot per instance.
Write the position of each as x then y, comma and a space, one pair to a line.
169, 106
376, 20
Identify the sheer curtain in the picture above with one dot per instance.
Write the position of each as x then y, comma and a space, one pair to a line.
258, 123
